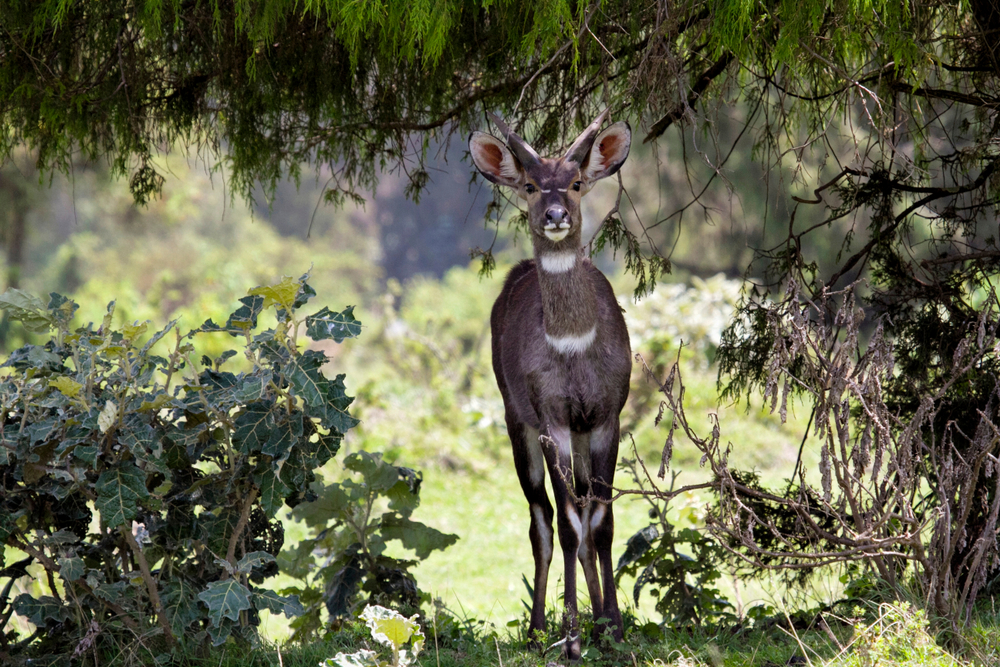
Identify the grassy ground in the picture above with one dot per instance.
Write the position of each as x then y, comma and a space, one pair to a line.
890, 636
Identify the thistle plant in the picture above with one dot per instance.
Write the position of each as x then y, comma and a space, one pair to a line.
388, 627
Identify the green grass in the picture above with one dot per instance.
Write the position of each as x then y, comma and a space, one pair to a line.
887, 636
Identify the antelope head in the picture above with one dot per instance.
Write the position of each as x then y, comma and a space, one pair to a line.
552, 187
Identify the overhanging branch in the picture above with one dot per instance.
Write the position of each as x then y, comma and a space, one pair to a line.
699, 87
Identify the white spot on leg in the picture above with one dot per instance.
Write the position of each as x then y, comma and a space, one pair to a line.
572, 344
544, 532
584, 532
574, 520
600, 440
598, 517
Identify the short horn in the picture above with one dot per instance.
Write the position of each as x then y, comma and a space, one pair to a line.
524, 153
581, 147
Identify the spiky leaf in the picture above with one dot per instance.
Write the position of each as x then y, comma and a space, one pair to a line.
119, 491
225, 599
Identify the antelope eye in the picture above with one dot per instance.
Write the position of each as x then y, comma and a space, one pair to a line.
529, 188
577, 186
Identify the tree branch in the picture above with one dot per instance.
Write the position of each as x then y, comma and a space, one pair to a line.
675, 114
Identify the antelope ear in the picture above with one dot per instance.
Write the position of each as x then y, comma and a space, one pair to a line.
495, 161
608, 152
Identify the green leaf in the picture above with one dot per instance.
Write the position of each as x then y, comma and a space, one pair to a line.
61, 308
326, 325
86, 453
60, 537
156, 337
325, 399
119, 491
331, 502
218, 386
159, 402
276, 604
139, 437
416, 536
637, 545
298, 470
378, 475
252, 388
333, 413
272, 492
253, 427
326, 447
45, 608
244, 319
252, 560
306, 292
180, 604
283, 436
225, 599
34, 356
220, 633
71, 569
110, 592
304, 374
26, 308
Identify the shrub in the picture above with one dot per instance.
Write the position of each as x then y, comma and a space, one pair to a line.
352, 521
185, 469
679, 564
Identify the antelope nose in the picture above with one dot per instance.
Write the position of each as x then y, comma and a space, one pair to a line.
555, 215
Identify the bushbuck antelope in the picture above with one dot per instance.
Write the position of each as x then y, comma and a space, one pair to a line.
561, 357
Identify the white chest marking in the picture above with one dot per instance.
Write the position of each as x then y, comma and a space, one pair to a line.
572, 344
558, 262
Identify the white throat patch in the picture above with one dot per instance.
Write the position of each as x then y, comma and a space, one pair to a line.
572, 344
558, 262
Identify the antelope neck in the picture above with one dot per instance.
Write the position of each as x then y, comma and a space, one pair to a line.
569, 302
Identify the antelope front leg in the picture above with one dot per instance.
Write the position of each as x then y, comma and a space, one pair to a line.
558, 451
530, 465
603, 457
583, 485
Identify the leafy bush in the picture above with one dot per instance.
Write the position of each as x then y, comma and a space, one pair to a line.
352, 522
679, 564
185, 469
